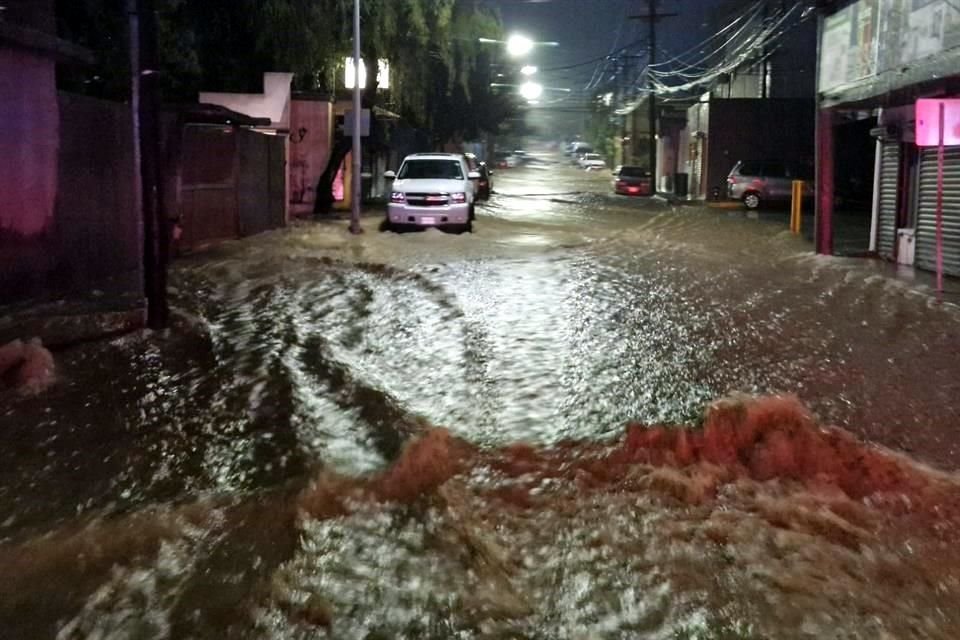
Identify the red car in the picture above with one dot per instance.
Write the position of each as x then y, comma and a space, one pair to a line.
632, 181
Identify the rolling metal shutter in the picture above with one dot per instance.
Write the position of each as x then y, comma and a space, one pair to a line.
889, 186
927, 215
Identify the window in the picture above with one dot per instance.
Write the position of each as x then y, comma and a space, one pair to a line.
431, 169
633, 172
750, 169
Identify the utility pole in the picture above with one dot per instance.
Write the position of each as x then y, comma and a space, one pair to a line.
652, 16
145, 112
357, 159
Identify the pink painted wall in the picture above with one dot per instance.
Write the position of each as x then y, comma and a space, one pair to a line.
29, 140
310, 141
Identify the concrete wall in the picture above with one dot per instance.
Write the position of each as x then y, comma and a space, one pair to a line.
97, 226
756, 130
29, 133
29, 139
311, 136
67, 197
273, 103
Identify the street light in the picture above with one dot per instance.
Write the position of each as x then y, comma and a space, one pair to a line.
518, 45
531, 90
528, 70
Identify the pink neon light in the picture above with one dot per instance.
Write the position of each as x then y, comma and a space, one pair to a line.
928, 122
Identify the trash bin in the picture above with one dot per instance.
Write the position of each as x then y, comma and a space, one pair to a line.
681, 184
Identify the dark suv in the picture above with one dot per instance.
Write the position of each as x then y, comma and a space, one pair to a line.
764, 182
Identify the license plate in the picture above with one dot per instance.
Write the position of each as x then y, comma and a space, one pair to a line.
428, 220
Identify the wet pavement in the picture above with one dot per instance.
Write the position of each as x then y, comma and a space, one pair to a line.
238, 476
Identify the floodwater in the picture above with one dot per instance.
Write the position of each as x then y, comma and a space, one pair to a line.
424, 436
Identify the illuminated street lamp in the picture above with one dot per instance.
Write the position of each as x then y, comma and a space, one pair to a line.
350, 74
531, 90
528, 70
518, 45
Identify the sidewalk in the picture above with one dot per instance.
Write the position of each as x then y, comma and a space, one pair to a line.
64, 320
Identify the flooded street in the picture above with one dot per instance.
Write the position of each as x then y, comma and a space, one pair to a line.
426, 435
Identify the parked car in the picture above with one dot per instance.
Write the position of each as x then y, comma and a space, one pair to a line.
592, 162
432, 190
632, 181
579, 148
766, 182
502, 160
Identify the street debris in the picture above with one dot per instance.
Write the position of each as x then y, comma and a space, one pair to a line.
27, 367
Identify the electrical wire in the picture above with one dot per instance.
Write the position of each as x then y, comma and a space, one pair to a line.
771, 29
768, 33
748, 15
722, 49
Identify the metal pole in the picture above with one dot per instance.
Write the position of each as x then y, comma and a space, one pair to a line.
940, 204
145, 99
825, 187
875, 202
357, 164
652, 97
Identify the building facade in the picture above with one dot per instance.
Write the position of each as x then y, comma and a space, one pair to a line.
877, 58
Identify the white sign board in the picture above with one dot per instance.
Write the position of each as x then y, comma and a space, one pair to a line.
364, 123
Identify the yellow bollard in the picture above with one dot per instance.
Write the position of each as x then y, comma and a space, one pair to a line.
796, 208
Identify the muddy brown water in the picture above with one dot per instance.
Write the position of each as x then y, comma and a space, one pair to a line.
227, 479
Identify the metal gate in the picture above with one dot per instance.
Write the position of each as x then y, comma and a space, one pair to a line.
208, 191
889, 187
697, 188
926, 218
261, 181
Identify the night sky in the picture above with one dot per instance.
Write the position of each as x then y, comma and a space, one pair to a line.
588, 29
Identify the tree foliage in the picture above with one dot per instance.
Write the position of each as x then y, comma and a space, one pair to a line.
440, 73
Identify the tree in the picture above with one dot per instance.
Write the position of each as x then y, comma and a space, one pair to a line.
440, 71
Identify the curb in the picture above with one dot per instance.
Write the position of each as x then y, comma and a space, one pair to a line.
60, 331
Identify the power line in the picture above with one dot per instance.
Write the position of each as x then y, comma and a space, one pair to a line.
609, 56
769, 32
748, 15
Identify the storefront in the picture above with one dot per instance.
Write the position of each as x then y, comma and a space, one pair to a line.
882, 56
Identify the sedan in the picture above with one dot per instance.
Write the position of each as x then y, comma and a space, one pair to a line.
592, 162
632, 181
